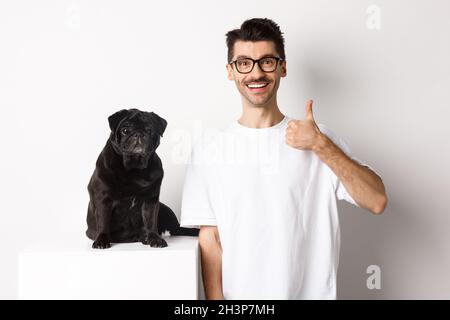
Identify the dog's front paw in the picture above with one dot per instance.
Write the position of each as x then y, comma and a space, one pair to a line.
102, 242
154, 240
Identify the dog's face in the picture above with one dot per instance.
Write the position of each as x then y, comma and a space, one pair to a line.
135, 135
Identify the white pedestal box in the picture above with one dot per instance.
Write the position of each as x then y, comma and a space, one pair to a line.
125, 271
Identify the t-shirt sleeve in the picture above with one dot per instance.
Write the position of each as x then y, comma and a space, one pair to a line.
196, 204
340, 190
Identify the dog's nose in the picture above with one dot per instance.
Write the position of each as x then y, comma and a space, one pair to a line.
138, 136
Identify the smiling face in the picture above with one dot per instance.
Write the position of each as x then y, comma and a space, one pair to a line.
258, 88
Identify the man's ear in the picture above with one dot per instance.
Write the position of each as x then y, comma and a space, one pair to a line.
283, 68
230, 71
115, 118
160, 123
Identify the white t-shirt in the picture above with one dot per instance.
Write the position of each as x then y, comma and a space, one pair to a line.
275, 210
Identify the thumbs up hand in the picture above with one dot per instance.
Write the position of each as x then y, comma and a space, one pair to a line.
303, 134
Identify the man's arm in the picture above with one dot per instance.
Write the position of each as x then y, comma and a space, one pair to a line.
364, 186
211, 254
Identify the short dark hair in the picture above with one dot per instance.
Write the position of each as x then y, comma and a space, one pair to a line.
256, 29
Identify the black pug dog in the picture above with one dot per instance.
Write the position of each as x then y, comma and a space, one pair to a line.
124, 188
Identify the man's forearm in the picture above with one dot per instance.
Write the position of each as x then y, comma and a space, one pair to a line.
211, 256
365, 187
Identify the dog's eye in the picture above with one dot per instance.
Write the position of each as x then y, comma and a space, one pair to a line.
124, 130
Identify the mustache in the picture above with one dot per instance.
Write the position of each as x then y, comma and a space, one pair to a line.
262, 79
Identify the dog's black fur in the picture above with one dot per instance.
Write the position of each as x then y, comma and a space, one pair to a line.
124, 188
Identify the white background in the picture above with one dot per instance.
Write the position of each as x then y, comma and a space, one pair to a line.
65, 66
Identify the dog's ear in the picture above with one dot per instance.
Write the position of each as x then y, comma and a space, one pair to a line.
161, 124
115, 118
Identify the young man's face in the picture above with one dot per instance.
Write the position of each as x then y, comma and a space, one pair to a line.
257, 96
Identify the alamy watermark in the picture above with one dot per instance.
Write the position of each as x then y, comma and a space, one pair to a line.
374, 280
373, 21
227, 147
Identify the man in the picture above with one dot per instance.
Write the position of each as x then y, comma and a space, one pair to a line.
264, 190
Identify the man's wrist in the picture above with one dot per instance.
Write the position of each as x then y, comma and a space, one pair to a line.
322, 143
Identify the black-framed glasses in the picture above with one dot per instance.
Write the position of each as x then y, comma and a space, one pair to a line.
246, 65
